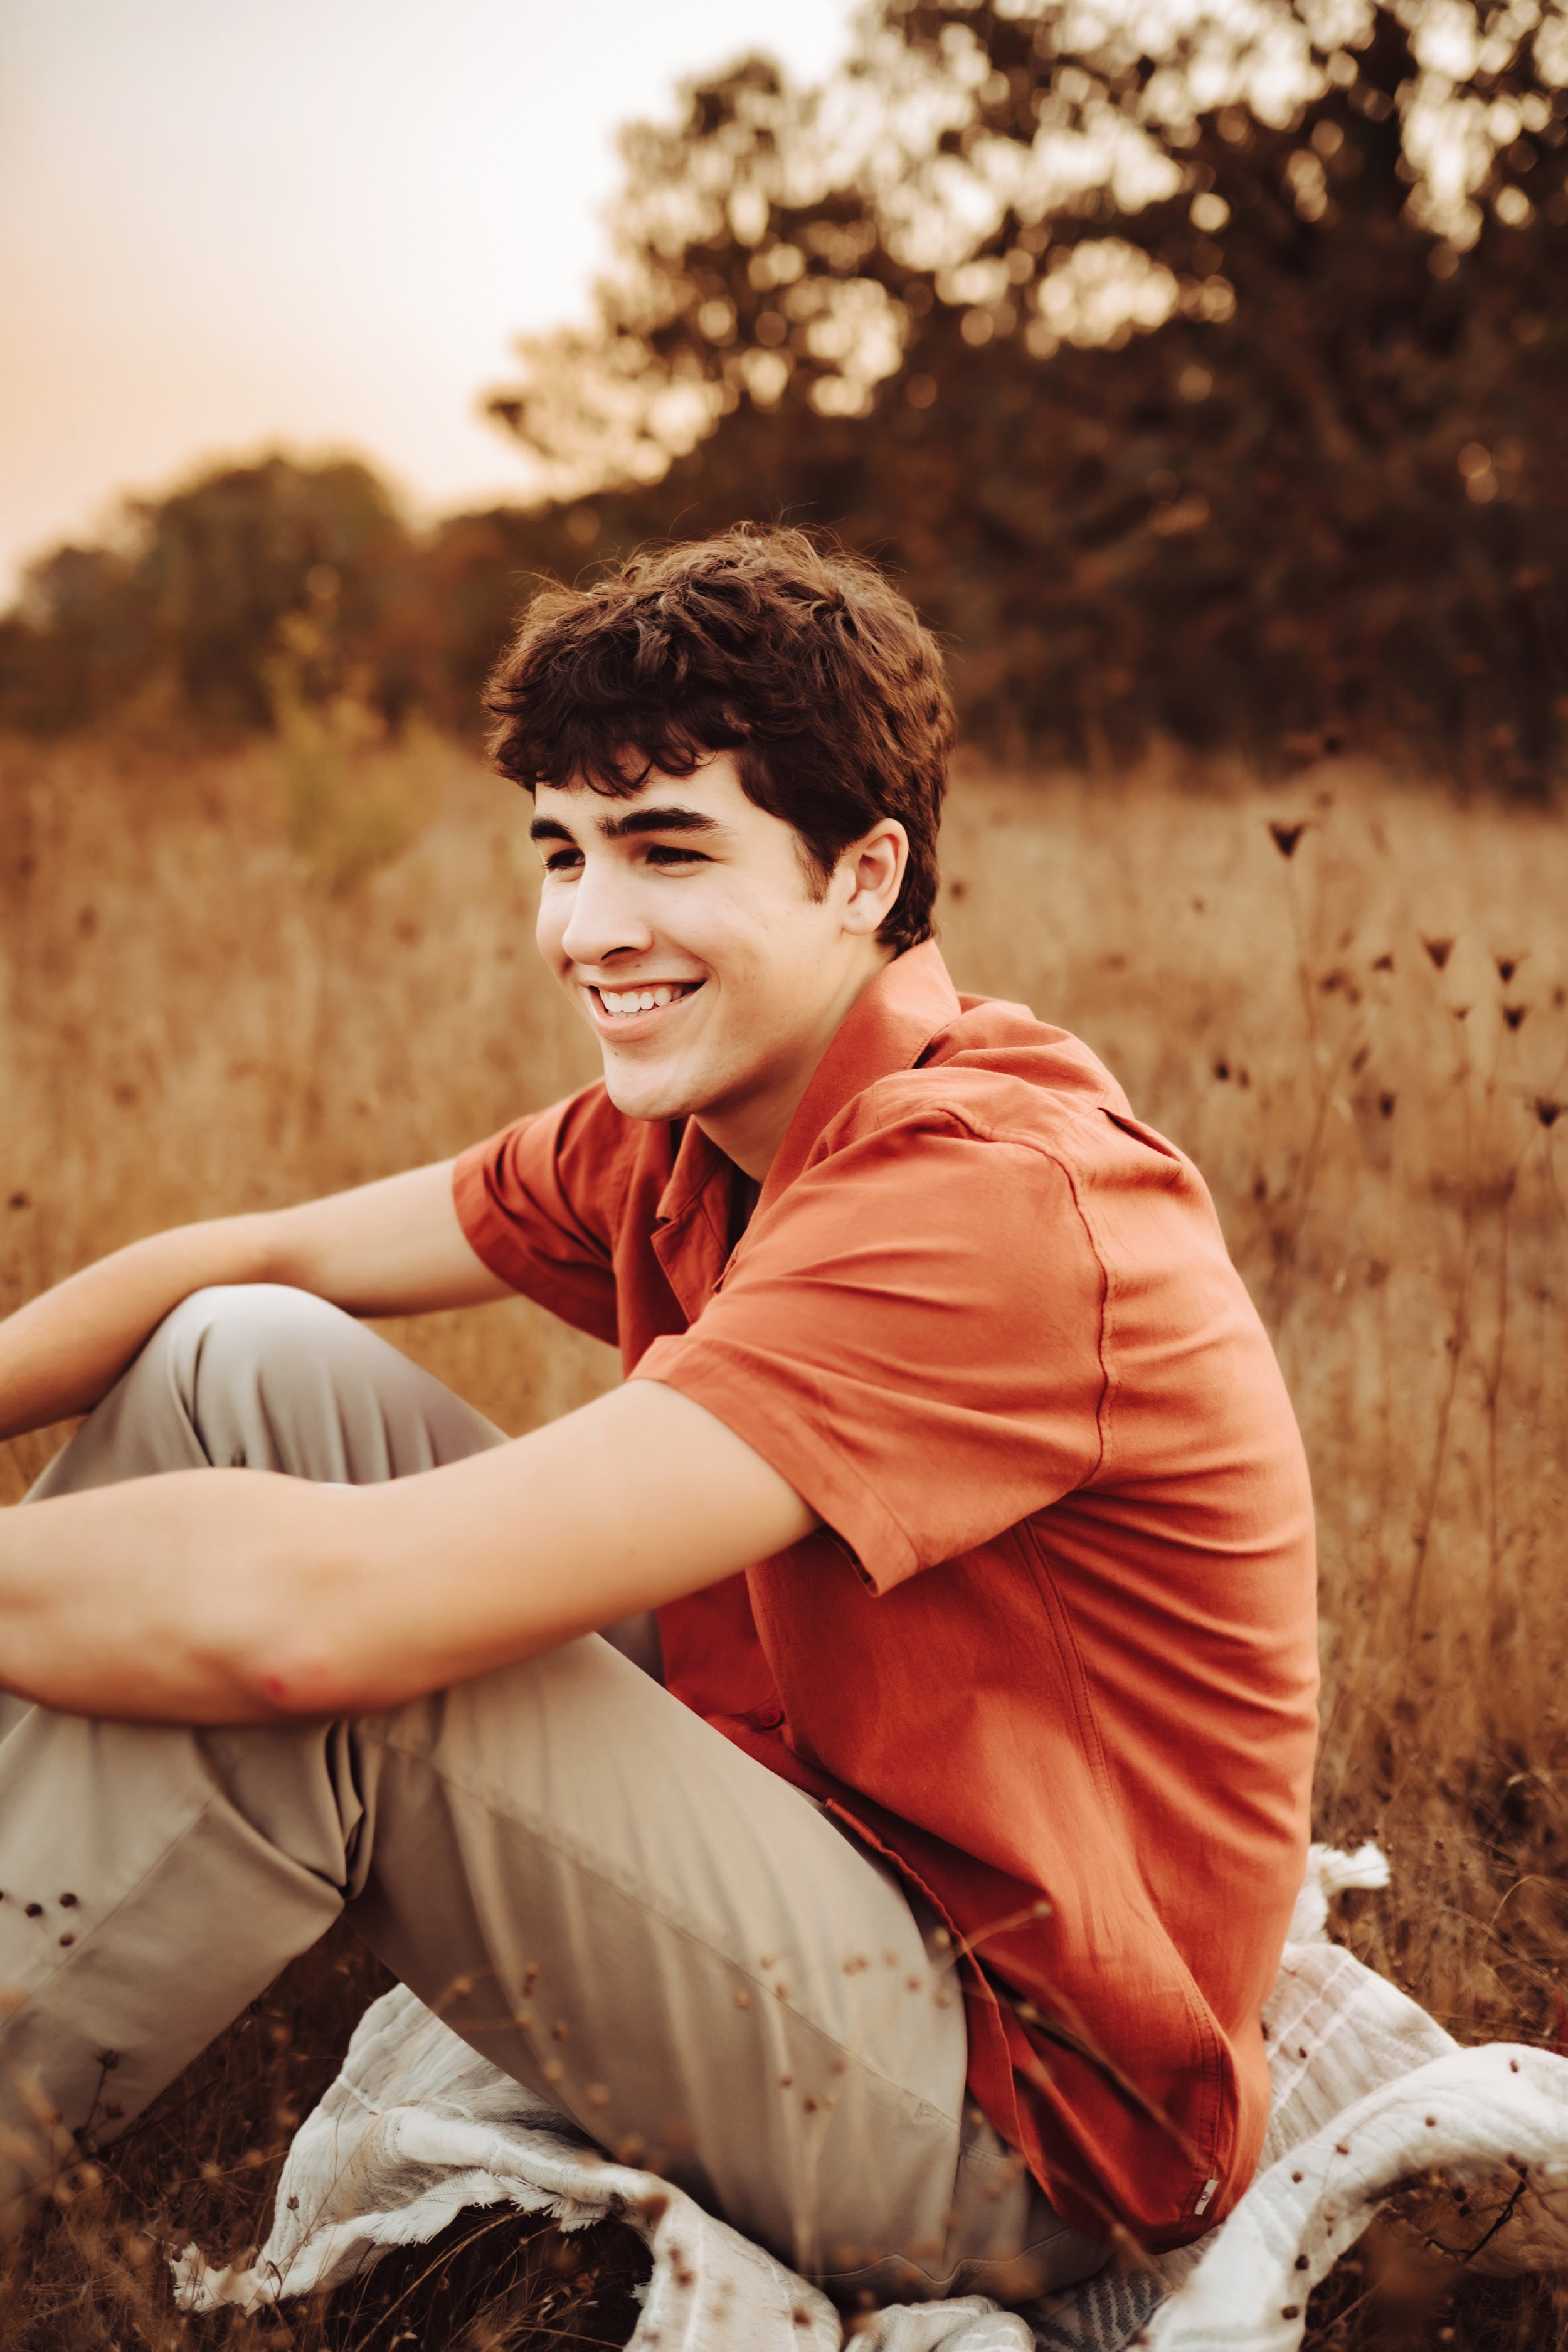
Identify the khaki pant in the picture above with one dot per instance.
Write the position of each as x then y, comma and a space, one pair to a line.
592, 1887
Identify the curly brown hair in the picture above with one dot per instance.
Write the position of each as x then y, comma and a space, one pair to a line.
803, 662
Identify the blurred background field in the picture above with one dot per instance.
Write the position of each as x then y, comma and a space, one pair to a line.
1200, 372
1365, 1044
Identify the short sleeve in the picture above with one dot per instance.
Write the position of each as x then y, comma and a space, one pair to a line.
912, 1336
537, 1202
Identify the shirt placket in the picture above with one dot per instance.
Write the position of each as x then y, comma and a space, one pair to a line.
691, 1225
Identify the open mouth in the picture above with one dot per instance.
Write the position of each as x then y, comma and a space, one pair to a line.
627, 1003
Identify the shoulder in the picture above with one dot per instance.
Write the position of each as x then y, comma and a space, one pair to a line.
1015, 1126
999, 1076
582, 1149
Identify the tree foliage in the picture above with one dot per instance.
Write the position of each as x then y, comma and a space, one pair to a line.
183, 605
1198, 368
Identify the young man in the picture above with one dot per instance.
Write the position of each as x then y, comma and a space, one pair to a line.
920, 1921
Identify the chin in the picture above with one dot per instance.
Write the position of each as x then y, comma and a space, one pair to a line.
648, 1094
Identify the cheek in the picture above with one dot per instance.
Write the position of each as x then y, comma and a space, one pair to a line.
549, 924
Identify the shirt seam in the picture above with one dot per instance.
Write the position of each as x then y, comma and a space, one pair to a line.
1073, 1177
1059, 1618
960, 1116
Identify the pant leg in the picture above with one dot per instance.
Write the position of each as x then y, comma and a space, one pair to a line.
260, 1375
267, 1378
591, 1884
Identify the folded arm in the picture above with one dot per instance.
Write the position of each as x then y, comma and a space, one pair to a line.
237, 1596
391, 1248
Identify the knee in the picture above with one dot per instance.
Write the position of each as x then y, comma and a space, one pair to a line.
207, 1387
278, 1380
242, 1337
252, 1321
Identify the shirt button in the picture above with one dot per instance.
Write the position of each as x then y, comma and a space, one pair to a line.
769, 1717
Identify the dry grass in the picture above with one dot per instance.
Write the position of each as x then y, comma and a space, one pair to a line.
192, 1024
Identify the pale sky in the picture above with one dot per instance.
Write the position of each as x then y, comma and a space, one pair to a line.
231, 223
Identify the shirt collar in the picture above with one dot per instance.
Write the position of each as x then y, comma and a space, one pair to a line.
697, 1162
887, 1028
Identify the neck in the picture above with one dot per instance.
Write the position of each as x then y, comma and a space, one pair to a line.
749, 1127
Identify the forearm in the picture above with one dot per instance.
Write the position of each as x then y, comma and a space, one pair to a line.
394, 1247
157, 1600
61, 1353
237, 1596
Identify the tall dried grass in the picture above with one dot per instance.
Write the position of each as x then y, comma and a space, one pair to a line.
1349, 1000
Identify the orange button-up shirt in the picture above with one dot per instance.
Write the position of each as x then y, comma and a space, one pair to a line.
1054, 1650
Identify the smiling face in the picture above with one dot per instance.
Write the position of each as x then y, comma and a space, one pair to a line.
682, 922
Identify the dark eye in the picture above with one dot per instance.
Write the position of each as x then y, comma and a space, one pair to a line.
672, 853
562, 861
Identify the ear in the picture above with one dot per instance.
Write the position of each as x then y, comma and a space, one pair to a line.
870, 875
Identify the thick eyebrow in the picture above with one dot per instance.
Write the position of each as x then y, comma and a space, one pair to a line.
635, 821
657, 820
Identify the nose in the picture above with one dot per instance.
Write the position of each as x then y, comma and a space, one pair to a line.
606, 919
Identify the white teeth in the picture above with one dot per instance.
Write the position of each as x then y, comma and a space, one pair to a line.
627, 1001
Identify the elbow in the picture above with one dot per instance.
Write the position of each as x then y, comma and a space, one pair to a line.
294, 1679
276, 1673
286, 1682
301, 1648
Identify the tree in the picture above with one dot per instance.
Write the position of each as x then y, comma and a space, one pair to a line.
1200, 375
187, 599
1199, 371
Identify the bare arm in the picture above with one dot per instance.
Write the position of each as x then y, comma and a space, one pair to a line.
233, 1596
391, 1248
